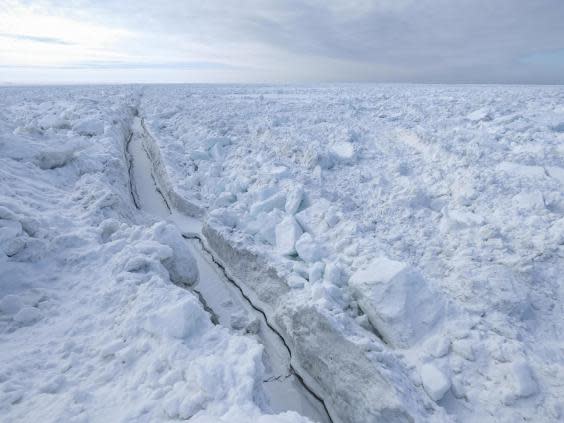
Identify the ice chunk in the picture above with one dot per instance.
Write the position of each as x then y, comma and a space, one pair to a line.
241, 321
224, 199
287, 233
6, 213
180, 320
521, 170
221, 141
267, 223
324, 161
89, 127
435, 382
333, 274
301, 268
9, 229
479, 115
326, 293
440, 347
464, 348
463, 192
522, 383
331, 216
54, 159
276, 201
265, 192
296, 281
294, 199
199, 155
10, 304
224, 217
279, 172
458, 388
53, 121
316, 271
529, 200
397, 300
53, 385
343, 151
556, 173
459, 219
217, 152
558, 127
309, 250
107, 228
312, 219
525, 382
181, 265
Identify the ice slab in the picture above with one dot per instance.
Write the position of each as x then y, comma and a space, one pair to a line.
397, 300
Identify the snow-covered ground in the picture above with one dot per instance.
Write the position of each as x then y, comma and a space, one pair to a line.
407, 241
91, 326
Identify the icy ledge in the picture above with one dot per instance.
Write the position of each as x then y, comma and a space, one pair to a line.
163, 181
354, 388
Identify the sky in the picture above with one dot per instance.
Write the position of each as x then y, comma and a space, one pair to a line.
291, 41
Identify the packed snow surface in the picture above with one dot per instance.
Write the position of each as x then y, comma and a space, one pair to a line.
422, 226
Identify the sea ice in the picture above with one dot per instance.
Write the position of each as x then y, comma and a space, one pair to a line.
287, 233
308, 249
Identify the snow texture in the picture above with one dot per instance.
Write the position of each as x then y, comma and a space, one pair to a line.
461, 184
426, 284
92, 325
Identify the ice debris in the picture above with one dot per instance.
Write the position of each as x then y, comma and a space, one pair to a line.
397, 300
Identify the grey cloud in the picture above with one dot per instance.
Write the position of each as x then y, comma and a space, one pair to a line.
404, 40
442, 35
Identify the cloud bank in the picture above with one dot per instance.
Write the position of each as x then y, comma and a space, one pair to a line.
499, 41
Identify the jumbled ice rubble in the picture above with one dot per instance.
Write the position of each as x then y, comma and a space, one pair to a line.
400, 304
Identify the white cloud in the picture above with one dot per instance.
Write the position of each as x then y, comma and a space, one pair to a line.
35, 37
292, 40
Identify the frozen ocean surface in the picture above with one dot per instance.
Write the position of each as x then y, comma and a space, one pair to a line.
406, 241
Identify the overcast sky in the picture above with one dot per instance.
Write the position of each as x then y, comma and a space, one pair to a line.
508, 41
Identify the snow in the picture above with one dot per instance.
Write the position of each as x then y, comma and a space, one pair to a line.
395, 193
433, 230
458, 182
10, 304
92, 325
